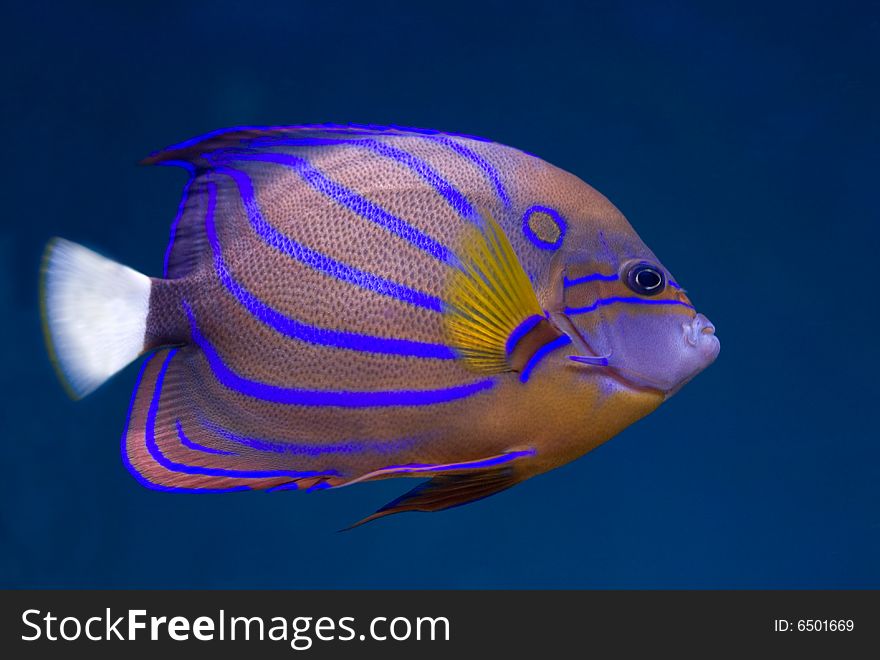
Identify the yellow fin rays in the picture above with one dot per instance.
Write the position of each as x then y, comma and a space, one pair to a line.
488, 296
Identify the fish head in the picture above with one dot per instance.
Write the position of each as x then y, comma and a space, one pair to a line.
627, 317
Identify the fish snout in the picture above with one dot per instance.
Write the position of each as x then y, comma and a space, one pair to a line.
699, 334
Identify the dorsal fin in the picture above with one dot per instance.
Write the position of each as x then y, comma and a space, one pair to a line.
192, 151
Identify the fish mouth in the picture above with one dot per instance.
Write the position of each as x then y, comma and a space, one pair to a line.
699, 325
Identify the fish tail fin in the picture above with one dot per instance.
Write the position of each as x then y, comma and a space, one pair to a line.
94, 312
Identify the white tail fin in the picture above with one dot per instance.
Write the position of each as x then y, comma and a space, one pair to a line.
94, 314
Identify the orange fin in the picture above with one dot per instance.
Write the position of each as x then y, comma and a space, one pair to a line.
449, 490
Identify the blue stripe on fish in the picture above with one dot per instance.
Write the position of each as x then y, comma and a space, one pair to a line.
604, 302
354, 202
593, 277
445, 189
191, 444
520, 331
339, 398
288, 447
540, 354
605, 278
173, 466
321, 262
141, 479
490, 172
221, 472
290, 327
174, 225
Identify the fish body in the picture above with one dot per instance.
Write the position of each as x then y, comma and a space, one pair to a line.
345, 303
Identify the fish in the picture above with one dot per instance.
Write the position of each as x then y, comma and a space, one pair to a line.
342, 303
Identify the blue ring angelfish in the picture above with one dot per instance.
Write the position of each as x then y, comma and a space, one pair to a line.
544, 227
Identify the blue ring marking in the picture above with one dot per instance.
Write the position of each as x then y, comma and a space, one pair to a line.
354, 202
286, 447
521, 330
321, 262
603, 302
191, 444
486, 462
141, 479
295, 329
180, 208
539, 355
340, 398
536, 240
440, 185
479, 161
593, 277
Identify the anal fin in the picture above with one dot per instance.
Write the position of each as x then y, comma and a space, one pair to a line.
448, 490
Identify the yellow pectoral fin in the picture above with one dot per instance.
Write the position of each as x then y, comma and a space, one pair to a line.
490, 303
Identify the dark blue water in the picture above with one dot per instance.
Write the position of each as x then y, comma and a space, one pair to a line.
741, 142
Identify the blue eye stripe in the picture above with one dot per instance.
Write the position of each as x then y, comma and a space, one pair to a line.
601, 277
603, 302
318, 261
593, 277
298, 330
338, 398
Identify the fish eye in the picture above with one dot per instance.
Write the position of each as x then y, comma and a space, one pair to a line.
645, 279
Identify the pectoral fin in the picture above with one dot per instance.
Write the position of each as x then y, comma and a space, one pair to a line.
447, 491
492, 314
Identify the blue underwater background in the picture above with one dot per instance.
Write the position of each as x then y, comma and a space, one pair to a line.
740, 139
